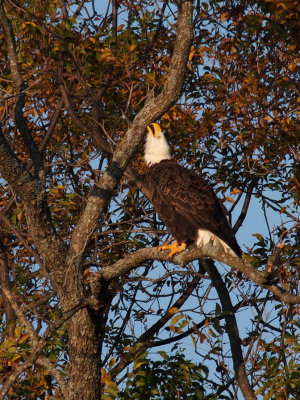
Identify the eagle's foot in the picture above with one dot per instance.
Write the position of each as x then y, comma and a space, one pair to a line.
173, 247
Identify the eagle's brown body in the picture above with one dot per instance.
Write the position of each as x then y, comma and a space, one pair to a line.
187, 205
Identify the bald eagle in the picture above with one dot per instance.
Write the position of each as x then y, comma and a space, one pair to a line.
185, 203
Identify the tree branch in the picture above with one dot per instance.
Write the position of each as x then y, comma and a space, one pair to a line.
141, 184
42, 147
246, 204
99, 140
102, 193
63, 9
39, 344
51, 127
34, 254
135, 259
47, 364
11, 49
114, 25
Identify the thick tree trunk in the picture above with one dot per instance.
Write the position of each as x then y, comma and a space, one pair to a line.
85, 341
86, 331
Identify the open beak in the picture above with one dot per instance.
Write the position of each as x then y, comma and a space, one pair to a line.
154, 129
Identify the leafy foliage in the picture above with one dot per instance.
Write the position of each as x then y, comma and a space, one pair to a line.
171, 377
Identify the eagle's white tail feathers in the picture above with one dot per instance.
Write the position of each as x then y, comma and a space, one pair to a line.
205, 236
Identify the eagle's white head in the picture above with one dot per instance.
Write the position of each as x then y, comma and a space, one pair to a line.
156, 147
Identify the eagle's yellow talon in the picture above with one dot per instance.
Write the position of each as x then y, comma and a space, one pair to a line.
173, 247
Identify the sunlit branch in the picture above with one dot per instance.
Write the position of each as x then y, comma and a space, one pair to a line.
135, 259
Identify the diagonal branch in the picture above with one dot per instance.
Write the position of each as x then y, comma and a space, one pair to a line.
51, 127
48, 365
30, 250
89, 131
100, 197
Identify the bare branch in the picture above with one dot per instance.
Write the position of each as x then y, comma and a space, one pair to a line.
51, 127
98, 139
114, 27
246, 204
63, 9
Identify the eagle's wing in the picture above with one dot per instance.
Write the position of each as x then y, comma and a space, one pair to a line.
181, 190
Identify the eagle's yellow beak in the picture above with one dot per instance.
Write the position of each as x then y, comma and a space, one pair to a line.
154, 129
